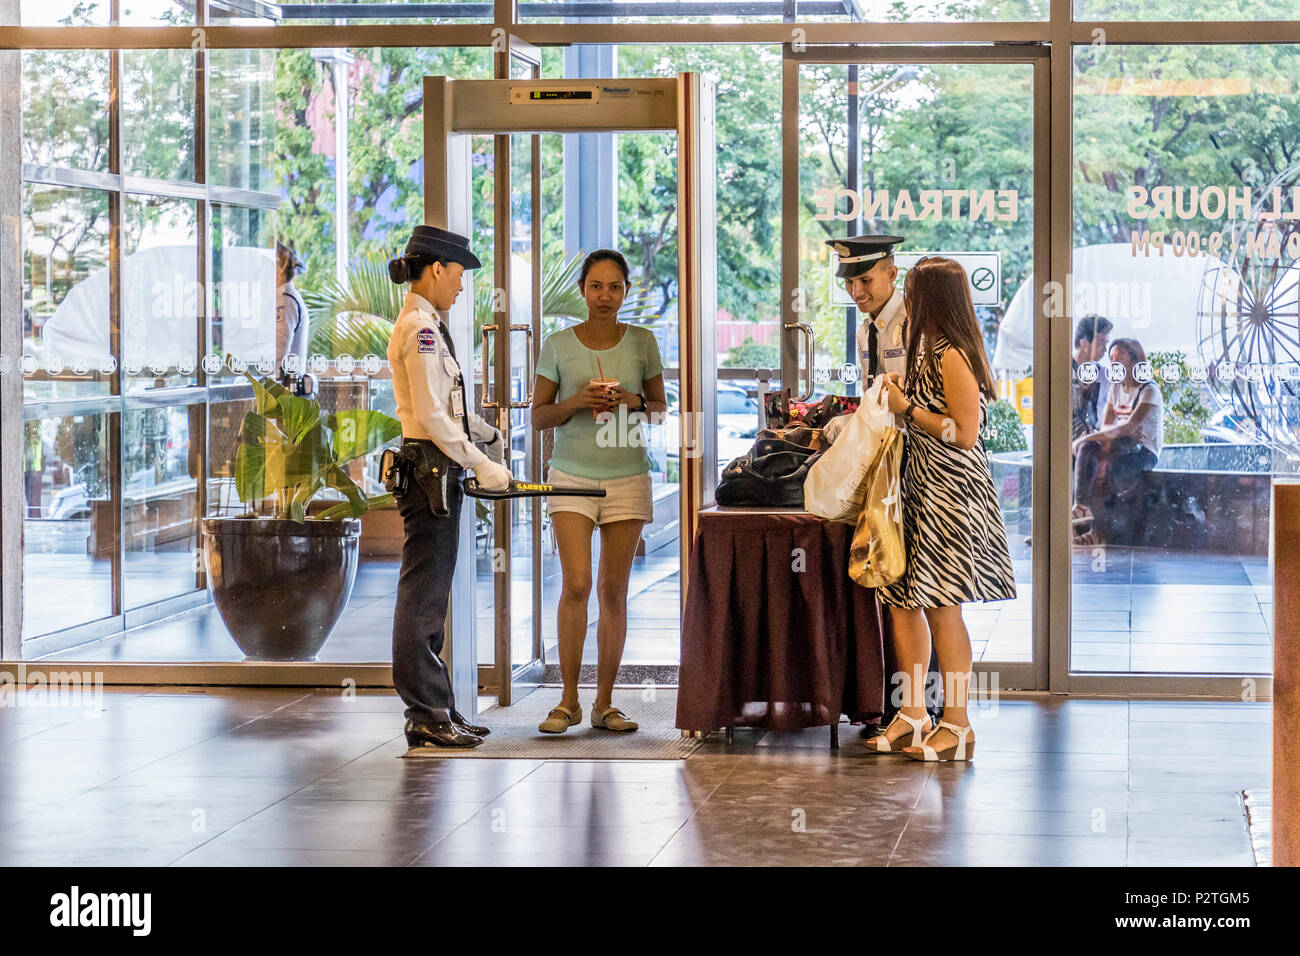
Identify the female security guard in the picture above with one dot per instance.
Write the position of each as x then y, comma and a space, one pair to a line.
437, 428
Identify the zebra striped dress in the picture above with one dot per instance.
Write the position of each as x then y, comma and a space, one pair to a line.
953, 534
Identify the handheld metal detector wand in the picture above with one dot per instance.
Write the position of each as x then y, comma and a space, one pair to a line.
528, 489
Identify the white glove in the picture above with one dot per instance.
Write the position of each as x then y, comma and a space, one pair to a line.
494, 447
836, 425
493, 477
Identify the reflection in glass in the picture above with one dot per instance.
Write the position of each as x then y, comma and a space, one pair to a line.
65, 108
160, 292
65, 291
241, 297
158, 113
1184, 398
161, 503
69, 532
241, 99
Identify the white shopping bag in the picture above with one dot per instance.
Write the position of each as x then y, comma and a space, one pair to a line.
836, 486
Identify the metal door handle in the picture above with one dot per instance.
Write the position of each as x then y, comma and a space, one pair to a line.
807, 330
528, 365
530, 371
487, 403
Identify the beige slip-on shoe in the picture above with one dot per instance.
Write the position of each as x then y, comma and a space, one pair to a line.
560, 719
611, 718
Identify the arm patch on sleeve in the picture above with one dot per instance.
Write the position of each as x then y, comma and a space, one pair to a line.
427, 341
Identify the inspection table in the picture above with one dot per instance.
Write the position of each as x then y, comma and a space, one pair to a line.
775, 634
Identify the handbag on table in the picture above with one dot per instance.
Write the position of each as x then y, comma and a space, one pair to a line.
797, 434
771, 475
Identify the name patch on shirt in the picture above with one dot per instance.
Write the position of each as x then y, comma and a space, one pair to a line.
427, 341
894, 353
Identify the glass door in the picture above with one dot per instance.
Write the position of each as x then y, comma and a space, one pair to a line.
939, 147
1186, 265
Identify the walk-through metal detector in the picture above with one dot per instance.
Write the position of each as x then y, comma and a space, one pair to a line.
454, 110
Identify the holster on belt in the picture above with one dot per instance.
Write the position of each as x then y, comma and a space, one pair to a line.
429, 465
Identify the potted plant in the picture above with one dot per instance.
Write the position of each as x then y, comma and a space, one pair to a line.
279, 578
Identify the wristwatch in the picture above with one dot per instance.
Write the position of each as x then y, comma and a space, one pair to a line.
907, 413
642, 408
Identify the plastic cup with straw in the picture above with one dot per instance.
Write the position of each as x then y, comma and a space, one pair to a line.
605, 383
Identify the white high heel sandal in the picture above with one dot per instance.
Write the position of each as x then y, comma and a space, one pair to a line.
963, 749
882, 744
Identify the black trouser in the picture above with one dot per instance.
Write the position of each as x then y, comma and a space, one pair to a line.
1125, 461
423, 592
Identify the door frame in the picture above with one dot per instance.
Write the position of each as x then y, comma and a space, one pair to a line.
1047, 569
455, 109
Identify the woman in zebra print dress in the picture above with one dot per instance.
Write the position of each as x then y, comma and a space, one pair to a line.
953, 534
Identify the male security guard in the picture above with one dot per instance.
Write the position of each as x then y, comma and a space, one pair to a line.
866, 264
438, 435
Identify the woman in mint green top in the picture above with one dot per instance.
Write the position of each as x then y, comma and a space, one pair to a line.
597, 384
612, 444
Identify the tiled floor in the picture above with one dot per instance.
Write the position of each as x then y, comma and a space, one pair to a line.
276, 776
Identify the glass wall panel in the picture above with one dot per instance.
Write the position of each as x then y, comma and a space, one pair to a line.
241, 118
945, 163
160, 489
158, 110
71, 521
160, 292
145, 13
1187, 339
224, 421
69, 13
747, 82
1186, 10
241, 294
65, 108
805, 11
302, 12
65, 292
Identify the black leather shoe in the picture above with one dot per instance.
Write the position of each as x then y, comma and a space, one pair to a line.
441, 734
466, 726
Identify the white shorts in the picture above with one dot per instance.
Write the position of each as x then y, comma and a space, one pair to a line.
626, 499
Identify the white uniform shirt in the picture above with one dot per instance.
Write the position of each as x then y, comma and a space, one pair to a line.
424, 378
890, 346
290, 324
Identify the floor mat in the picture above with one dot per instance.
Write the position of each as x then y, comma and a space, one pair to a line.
515, 733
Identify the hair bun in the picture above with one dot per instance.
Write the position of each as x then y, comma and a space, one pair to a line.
399, 270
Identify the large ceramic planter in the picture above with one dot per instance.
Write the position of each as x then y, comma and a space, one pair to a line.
280, 585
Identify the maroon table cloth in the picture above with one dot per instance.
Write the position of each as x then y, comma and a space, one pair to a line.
775, 633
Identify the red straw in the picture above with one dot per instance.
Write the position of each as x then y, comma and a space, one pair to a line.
599, 370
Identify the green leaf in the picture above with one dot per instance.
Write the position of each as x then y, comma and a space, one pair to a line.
339, 480
344, 509
260, 459
298, 416
267, 394
307, 461
360, 431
